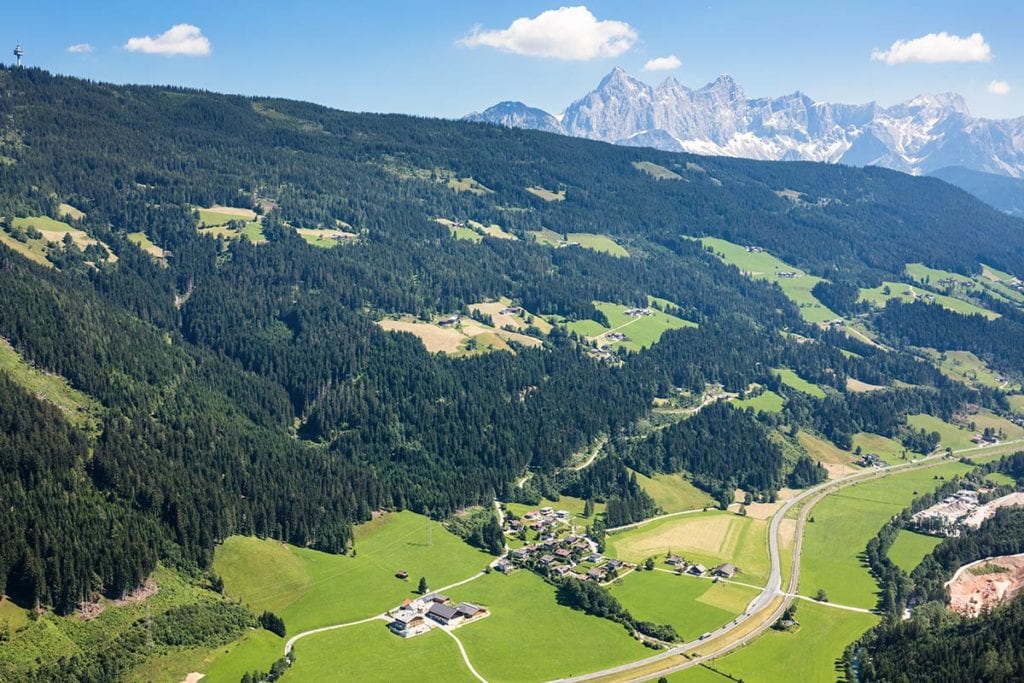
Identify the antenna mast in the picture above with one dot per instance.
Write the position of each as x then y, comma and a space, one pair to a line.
18, 52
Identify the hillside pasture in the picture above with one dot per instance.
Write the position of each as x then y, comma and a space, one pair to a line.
952, 436
880, 296
141, 240
674, 492
518, 321
761, 265
966, 367
326, 238
466, 338
890, 450
66, 210
546, 194
710, 538
50, 230
655, 171
795, 381
586, 240
765, 402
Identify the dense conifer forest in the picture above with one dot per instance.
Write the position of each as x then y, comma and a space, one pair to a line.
245, 388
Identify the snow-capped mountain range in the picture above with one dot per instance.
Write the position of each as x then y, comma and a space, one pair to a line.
923, 135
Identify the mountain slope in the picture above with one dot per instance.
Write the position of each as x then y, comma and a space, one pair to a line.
919, 136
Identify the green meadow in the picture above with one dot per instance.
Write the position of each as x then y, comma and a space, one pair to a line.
370, 652
763, 266
795, 381
910, 548
530, 637
692, 605
890, 450
951, 435
846, 520
587, 240
80, 409
810, 654
765, 402
887, 291
674, 492
655, 171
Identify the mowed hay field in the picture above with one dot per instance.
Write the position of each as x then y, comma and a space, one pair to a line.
890, 450
586, 240
795, 381
453, 340
692, 605
709, 538
530, 637
846, 520
763, 266
834, 459
765, 402
910, 548
952, 436
674, 492
370, 652
811, 654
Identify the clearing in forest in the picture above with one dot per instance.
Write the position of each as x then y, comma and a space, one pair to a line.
655, 171
629, 327
545, 194
32, 237
759, 264
887, 291
457, 335
587, 240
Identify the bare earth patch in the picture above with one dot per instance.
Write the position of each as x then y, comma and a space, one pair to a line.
981, 585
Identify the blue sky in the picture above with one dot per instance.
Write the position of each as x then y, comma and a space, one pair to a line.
412, 57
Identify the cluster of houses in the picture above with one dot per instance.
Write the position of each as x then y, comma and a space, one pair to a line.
984, 439
787, 274
414, 617
870, 460
615, 337
754, 250
722, 571
605, 355
559, 551
637, 312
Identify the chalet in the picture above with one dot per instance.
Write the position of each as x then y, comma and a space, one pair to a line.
504, 566
596, 574
614, 564
563, 553
444, 614
546, 510
562, 514
698, 570
436, 598
871, 460
511, 310
449, 321
725, 571
561, 569
547, 559
521, 553
674, 560
593, 557
407, 622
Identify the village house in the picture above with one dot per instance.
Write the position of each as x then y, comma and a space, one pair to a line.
698, 570
449, 321
444, 614
725, 571
408, 622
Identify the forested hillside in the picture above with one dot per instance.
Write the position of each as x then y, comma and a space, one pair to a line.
246, 387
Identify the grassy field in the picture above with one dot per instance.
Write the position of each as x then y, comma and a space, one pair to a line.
657, 172
519, 321
765, 402
791, 379
146, 244
709, 538
890, 450
846, 520
763, 266
587, 240
910, 548
310, 589
81, 409
529, 637
952, 436
545, 194
467, 184
370, 652
674, 492
966, 367
66, 210
642, 331
810, 654
50, 230
254, 651
823, 450
887, 291
324, 238
469, 337
692, 605
1016, 403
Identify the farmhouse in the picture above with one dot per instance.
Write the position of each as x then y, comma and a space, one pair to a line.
470, 611
504, 566
449, 321
401, 574
436, 598
698, 570
444, 614
725, 571
511, 310
408, 622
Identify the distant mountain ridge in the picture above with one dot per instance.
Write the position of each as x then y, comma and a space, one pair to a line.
920, 136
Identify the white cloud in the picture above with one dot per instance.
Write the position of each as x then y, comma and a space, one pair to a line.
570, 33
998, 87
180, 39
936, 47
663, 63
79, 48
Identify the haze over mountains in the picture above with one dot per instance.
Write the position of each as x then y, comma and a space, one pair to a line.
926, 134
